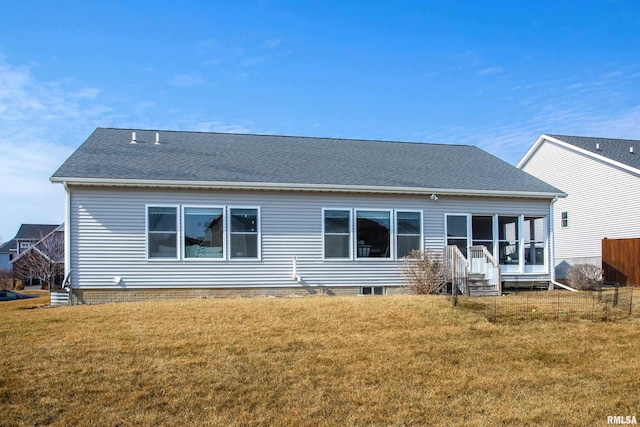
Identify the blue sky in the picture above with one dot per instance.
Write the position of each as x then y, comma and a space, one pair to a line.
496, 74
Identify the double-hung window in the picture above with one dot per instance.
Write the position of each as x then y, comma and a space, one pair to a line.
337, 233
203, 232
244, 233
373, 234
162, 232
409, 232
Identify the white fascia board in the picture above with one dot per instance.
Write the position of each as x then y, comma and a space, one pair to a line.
572, 147
300, 187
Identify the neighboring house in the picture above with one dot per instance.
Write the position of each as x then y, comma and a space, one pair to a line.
42, 261
602, 179
27, 235
170, 214
7, 253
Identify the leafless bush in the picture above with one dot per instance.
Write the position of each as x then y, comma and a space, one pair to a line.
424, 272
6, 278
585, 276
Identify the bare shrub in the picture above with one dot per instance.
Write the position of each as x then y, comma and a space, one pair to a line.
585, 276
424, 272
6, 279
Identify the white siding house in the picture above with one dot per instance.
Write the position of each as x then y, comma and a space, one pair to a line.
602, 179
219, 214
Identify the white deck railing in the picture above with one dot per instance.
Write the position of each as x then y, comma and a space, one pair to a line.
483, 262
456, 268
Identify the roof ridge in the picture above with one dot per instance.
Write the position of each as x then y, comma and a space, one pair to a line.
287, 136
591, 137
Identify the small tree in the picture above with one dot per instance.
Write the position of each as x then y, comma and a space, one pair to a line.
424, 272
585, 277
43, 261
6, 278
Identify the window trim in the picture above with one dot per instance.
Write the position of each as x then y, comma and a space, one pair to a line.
229, 233
397, 233
224, 234
392, 233
351, 235
373, 294
564, 219
146, 231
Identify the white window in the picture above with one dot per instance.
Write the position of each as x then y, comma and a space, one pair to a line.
203, 231
373, 234
564, 219
244, 232
534, 247
457, 230
337, 233
372, 290
508, 240
482, 231
408, 232
162, 232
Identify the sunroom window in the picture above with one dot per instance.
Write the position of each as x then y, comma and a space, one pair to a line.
373, 234
508, 240
162, 232
337, 233
482, 231
533, 240
457, 232
203, 232
409, 231
244, 232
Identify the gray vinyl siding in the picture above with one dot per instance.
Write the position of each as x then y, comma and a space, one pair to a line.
603, 200
108, 237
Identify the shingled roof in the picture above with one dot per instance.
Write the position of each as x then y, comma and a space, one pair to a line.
34, 231
213, 159
615, 149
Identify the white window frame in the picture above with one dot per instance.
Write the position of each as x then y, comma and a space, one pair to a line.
397, 233
351, 235
259, 234
224, 234
392, 248
373, 288
564, 219
147, 231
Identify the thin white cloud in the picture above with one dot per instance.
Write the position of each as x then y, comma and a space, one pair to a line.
40, 125
220, 126
489, 71
185, 80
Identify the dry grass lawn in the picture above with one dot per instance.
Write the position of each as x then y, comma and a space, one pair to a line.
406, 360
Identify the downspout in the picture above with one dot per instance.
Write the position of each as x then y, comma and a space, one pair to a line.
67, 240
552, 251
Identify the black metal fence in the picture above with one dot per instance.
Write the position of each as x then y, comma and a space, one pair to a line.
600, 305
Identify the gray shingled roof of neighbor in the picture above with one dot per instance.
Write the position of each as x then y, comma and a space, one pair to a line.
9, 246
611, 148
34, 231
201, 157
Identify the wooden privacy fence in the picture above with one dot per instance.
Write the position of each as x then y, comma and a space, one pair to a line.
621, 261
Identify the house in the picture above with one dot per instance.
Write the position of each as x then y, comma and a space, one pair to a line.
164, 214
7, 252
43, 261
27, 235
602, 179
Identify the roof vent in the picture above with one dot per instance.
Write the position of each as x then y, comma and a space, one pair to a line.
597, 145
157, 139
631, 150
133, 138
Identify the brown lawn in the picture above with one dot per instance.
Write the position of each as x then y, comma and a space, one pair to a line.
403, 360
